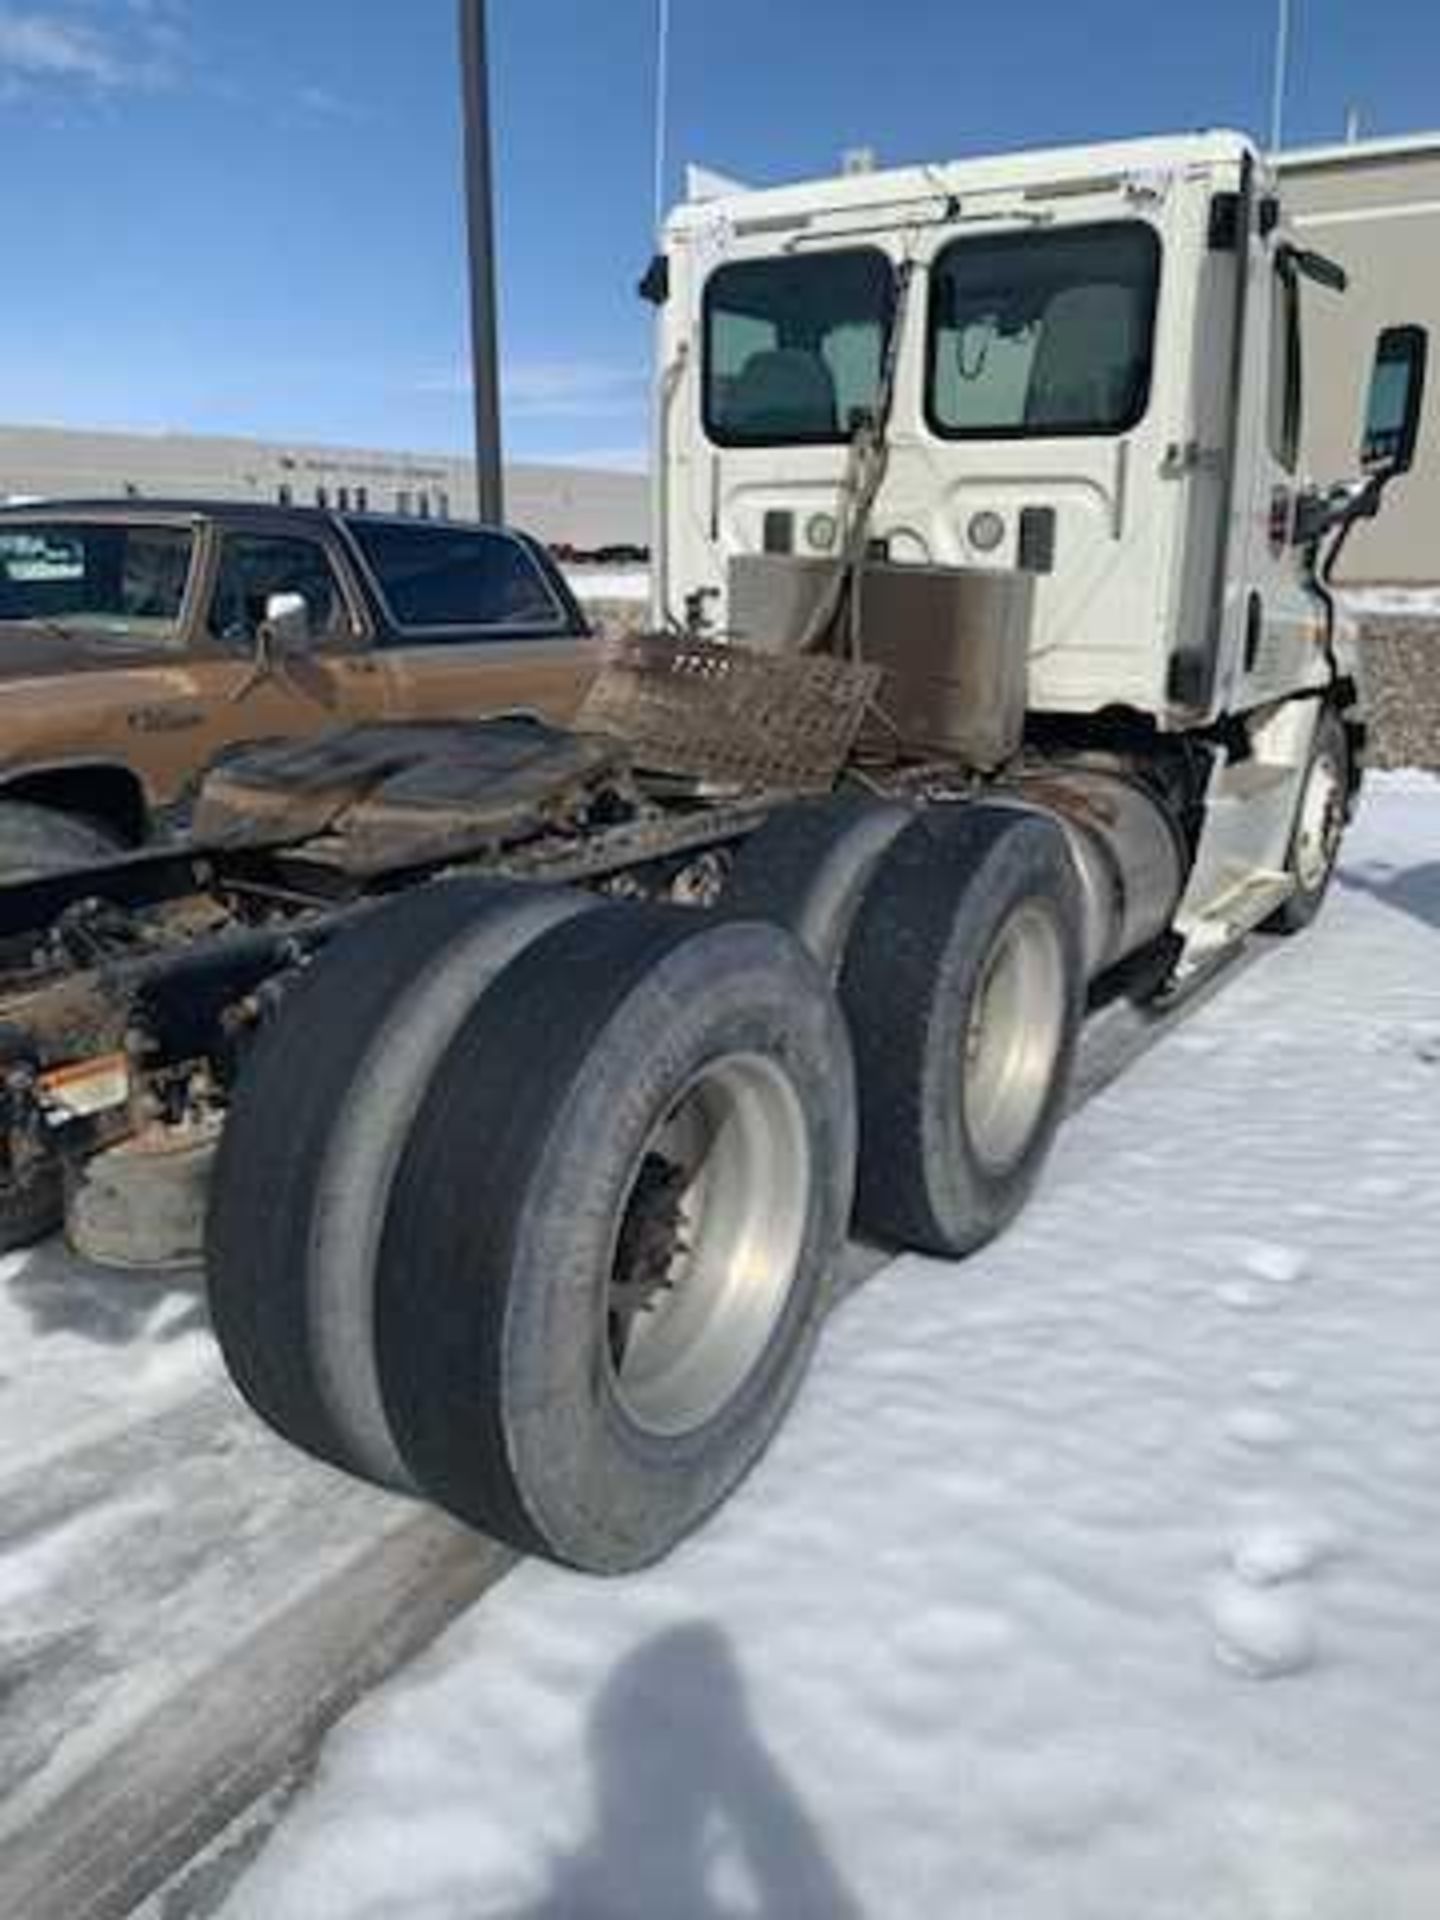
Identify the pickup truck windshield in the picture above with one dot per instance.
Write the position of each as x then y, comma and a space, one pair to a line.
794, 346
116, 579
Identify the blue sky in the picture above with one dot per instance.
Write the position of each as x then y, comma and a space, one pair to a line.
242, 215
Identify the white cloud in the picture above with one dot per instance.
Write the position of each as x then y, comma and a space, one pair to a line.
138, 46
556, 389
607, 459
565, 389
37, 46
321, 101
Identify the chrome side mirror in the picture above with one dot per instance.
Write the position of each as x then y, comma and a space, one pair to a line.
286, 625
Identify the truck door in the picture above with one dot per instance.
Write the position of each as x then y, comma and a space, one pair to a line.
329, 679
1280, 650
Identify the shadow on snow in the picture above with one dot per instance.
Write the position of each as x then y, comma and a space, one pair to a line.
693, 1817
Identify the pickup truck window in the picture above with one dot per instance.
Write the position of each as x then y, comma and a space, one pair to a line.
255, 566
115, 579
1034, 335
793, 347
458, 578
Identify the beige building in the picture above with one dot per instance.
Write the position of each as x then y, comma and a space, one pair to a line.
1375, 207
586, 508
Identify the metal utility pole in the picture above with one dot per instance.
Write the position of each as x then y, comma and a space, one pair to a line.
662, 109
480, 218
1282, 75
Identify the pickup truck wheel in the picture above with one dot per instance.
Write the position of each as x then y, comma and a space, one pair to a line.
39, 840
311, 1145
613, 1232
963, 982
1319, 826
808, 866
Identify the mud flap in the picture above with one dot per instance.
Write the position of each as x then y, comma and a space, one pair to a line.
141, 1204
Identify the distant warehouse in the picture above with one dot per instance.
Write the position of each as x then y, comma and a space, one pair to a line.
586, 508
1375, 207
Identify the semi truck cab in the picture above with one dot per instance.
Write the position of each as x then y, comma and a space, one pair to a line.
1083, 366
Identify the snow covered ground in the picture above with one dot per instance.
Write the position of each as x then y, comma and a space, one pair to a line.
1096, 1578
183, 1598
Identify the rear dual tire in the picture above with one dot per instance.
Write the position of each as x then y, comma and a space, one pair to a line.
955, 934
520, 1217
963, 984
592, 1249
534, 1210
310, 1149
809, 865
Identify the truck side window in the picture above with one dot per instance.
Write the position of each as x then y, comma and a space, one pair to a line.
794, 346
1034, 335
1283, 411
439, 578
255, 566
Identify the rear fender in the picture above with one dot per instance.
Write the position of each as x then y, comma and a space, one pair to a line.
105, 791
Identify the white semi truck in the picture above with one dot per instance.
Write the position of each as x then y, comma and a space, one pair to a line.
995, 672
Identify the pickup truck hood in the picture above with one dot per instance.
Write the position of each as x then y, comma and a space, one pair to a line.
31, 652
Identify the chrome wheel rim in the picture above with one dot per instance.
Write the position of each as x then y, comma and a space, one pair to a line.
1014, 1036
1317, 831
709, 1243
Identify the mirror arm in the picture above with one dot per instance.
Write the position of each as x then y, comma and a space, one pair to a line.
262, 664
1315, 267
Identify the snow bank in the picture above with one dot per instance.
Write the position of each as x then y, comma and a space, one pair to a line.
1415, 603
609, 583
1094, 1579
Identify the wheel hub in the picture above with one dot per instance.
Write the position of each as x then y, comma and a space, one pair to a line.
709, 1243
1013, 1038
650, 1244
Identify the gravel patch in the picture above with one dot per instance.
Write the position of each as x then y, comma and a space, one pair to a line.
1401, 666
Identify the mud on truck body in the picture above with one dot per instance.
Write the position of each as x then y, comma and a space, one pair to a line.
994, 671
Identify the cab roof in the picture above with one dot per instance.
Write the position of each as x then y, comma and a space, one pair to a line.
1027, 170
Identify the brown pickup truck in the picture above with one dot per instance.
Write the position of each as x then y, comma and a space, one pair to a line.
141, 641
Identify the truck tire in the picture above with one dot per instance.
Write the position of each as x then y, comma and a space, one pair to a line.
310, 1149
39, 840
963, 983
32, 1198
32, 1206
807, 867
613, 1232
1319, 826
